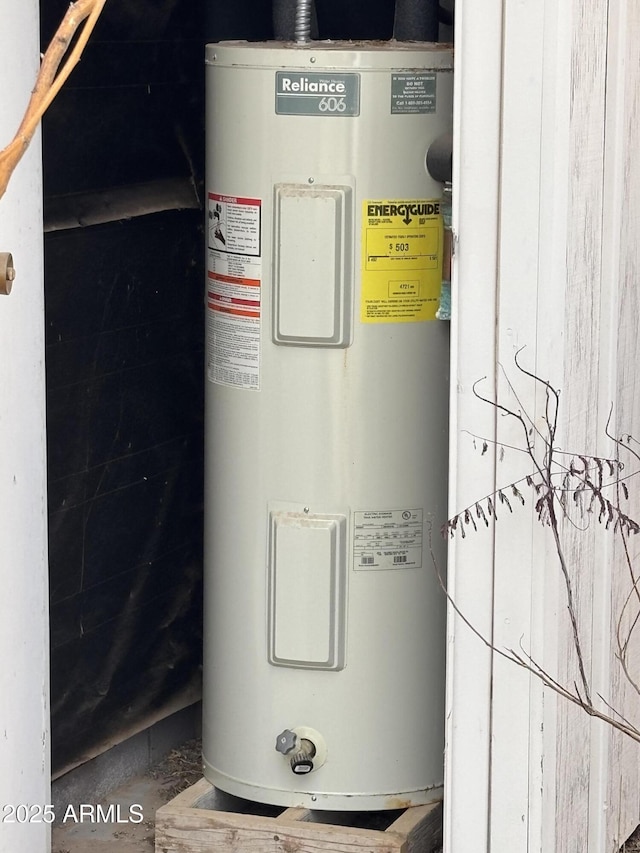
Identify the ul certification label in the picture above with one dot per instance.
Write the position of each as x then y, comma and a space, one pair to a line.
234, 282
388, 539
401, 260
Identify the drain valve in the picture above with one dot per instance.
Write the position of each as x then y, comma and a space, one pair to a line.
304, 747
286, 741
302, 760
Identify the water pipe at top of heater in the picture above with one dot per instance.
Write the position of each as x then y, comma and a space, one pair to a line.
302, 32
414, 20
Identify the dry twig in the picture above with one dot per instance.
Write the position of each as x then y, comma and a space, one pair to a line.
49, 81
555, 476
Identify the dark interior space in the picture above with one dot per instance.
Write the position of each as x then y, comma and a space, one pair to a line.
123, 151
123, 170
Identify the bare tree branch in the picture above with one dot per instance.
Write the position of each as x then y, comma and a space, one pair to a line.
576, 484
49, 81
523, 660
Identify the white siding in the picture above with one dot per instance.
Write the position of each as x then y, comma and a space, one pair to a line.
621, 280
547, 215
24, 663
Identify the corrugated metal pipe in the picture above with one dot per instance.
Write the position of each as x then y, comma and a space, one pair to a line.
294, 20
302, 31
416, 20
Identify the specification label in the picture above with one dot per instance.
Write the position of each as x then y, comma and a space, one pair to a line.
387, 539
234, 282
401, 260
413, 93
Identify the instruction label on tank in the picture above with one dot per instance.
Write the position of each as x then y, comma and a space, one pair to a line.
401, 260
388, 539
317, 93
413, 93
234, 291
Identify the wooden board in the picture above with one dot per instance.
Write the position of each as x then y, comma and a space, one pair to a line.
204, 819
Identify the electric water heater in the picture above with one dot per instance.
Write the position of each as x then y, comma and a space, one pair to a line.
326, 424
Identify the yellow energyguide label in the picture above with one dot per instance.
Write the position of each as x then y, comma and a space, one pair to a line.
401, 260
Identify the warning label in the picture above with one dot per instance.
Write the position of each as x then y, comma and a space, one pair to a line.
388, 539
413, 93
234, 224
401, 260
234, 282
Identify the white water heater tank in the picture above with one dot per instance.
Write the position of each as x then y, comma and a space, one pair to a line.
326, 424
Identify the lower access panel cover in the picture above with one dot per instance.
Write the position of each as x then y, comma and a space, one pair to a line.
307, 558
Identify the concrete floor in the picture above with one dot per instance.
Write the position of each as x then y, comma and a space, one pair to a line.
109, 804
124, 820
74, 836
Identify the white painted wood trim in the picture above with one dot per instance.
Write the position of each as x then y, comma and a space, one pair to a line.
602, 828
620, 789
475, 223
516, 775
24, 622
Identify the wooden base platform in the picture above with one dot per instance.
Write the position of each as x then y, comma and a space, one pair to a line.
203, 818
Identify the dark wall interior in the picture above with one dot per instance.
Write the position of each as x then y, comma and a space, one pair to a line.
124, 355
124, 375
